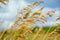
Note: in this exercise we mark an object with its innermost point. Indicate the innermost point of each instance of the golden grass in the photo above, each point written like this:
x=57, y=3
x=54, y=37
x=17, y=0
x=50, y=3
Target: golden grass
x=24, y=32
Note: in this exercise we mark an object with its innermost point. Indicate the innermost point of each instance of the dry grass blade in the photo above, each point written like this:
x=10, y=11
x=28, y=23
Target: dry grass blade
x=58, y=18
x=57, y=37
x=50, y=13
x=43, y=18
x=47, y=33
x=38, y=12
x=4, y=1
x=2, y=35
x=37, y=33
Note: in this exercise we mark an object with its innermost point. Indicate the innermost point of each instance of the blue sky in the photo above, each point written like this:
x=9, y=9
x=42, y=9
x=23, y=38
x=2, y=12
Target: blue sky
x=8, y=11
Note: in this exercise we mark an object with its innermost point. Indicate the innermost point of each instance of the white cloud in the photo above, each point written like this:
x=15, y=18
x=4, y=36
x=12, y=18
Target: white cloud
x=55, y=23
x=6, y=25
x=6, y=15
x=12, y=6
x=21, y=4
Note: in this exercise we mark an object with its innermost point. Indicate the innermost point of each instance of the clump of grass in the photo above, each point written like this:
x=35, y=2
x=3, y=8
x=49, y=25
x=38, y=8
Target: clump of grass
x=23, y=32
x=19, y=34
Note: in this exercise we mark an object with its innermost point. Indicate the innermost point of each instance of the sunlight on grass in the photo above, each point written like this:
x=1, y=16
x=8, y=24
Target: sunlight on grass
x=24, y=27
